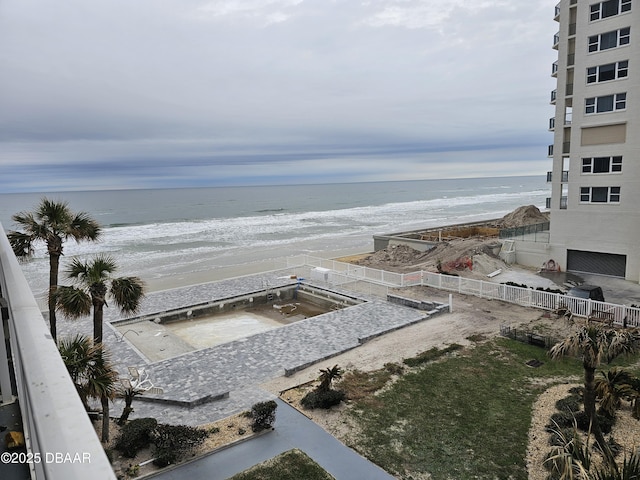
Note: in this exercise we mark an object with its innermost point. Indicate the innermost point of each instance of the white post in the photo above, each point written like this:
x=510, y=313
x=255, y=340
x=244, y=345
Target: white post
x=450, y=303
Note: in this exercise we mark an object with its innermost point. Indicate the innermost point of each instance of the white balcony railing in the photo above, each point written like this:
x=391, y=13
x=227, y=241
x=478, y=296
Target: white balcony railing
x=58, y=433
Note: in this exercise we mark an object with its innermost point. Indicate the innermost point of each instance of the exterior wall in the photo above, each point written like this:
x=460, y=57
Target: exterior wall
x=612, y=227
x=535, y=254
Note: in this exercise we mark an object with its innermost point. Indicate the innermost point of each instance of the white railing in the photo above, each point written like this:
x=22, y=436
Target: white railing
x=349, y=275
x=61, y=441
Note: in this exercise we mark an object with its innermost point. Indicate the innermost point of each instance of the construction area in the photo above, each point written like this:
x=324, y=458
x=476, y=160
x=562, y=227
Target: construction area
x=474, y=250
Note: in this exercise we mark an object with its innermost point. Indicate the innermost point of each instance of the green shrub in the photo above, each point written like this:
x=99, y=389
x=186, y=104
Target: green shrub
x=432, y=354
x=322, y=399
x=572, y=403
x=560, y=420
x=172, y=442
x=263, y=415
x=394, y=368
x=558, y=436
x=606, y=424
x=135, y=435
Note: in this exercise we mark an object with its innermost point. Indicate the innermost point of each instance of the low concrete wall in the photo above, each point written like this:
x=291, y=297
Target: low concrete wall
x=534, y=254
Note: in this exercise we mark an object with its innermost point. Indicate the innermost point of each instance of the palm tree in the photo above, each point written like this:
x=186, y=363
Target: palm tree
x=52, y=223
x=571, y=460
x=92, y=373
x=327, y=376
x=611, y=388
x=595, y=344
x=95, y=282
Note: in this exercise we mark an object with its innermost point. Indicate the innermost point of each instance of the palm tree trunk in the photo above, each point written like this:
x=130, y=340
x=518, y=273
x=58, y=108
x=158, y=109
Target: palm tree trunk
x=590, y=410
x=54, y=265
x=105, y=418
x=98, y=314
x=128, y=400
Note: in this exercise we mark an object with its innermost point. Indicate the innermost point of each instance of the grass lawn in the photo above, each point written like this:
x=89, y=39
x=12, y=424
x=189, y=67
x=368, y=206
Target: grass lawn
x=290, y=465
x=464, y=417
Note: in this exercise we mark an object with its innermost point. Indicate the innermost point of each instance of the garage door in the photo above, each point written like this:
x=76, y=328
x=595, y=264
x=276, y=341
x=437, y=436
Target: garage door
x=595, y=262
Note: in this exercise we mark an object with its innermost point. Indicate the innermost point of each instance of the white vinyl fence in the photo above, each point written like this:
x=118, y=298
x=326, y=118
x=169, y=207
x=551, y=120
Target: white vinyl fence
x=373, y=281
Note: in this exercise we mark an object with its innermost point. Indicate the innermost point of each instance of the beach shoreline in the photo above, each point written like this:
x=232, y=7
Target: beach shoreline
x=187, y=277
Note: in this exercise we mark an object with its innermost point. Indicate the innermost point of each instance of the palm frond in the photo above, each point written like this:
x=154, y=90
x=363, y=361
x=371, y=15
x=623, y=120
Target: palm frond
x=72, y=302
x=101, y=268
x=78, y=270
x=56, y=214
x=127, y=293
x=21, y=244
x=83, y=227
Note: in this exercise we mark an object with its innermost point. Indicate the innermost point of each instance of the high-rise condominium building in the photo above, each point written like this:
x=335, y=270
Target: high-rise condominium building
x=595, y=200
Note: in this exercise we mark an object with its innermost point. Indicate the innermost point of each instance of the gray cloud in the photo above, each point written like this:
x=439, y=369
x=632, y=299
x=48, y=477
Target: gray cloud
x=146, y=93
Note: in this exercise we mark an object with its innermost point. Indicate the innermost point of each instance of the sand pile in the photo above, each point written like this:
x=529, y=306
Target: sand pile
x=453, y=256
x=526, y=215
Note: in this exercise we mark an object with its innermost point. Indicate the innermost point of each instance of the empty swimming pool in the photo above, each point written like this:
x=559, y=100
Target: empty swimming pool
x=172, y=333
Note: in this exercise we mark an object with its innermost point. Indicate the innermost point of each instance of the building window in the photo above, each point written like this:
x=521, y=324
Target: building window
x=610, y=71
x=600, y=194
x=606, y=103
x=605, y=41
x=609, y=9
x=602, y=165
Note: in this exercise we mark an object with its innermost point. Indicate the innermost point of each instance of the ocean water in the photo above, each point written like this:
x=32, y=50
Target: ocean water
x=163, y=233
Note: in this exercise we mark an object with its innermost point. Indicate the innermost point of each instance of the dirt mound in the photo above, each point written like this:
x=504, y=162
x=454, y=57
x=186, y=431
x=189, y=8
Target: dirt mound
x=464, y=256
x=526, y=215
x=394, y=256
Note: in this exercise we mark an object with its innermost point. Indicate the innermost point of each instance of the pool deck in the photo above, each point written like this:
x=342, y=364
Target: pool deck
x=213, y=383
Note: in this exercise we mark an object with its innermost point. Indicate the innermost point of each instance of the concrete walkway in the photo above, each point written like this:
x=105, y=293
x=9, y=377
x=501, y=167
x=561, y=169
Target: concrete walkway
x=293, y=430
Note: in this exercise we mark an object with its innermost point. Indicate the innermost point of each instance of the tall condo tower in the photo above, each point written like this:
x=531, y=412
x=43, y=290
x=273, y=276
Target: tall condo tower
x=595, y=179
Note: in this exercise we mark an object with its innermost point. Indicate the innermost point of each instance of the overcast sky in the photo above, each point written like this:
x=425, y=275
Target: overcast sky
x=150, y=93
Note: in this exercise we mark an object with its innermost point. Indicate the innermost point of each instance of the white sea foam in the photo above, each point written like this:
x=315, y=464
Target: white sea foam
x=269, y=226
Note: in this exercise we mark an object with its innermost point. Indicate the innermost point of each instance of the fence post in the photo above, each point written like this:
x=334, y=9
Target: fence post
x=450, y=303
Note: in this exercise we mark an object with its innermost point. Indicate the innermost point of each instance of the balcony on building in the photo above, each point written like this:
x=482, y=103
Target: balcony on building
x=556, y=41
x=552, y=124
x=563, y=203
x=568, y=89
x=554, y=95
x=554, y=69
x=35, y=383
x=550, y=151
x=547, y=203
x=564, y=178
x=556, y=14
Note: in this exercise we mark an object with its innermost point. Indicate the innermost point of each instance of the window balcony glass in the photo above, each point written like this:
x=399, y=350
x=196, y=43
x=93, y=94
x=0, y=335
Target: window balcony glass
x=568, y=89
x=550, y=151
x=552, y=123
x=563, y=203
x=554, y=94
x=554, y=69
x=547, y=203
x=556, y=40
